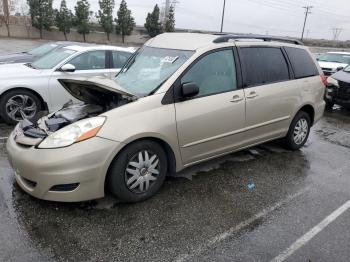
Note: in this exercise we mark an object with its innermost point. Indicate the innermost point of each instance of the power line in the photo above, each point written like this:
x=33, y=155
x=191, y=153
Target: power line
x=307, y=12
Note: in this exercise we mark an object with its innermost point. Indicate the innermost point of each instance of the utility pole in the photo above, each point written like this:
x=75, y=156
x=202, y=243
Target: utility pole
x=307, y=12
x=223, y=16
x=336, y=33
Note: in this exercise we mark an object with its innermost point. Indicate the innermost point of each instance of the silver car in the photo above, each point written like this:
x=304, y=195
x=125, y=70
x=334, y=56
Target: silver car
x=180, y=100
x=26, y=89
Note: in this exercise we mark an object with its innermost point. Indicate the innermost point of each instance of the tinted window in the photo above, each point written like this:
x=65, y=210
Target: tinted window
x=303, y=64
x=214, y=73
x=263, y=65
x=90, y=60
x=120, y=58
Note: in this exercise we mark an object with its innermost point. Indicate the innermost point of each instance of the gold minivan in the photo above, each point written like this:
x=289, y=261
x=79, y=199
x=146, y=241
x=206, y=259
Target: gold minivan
x=181, y=99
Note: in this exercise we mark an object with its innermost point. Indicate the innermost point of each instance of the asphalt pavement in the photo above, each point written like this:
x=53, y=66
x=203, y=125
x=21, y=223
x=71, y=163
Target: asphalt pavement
x=261, y=204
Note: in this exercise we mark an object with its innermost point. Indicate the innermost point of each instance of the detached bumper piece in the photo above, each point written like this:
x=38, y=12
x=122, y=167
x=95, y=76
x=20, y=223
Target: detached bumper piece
x=341, y=95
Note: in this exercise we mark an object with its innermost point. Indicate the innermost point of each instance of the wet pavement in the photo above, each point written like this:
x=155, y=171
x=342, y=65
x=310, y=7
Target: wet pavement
x=209, y=214
x=248, y=206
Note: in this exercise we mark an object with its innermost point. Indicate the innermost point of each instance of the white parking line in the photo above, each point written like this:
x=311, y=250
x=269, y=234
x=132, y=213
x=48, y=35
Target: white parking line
x=231, y=231
x=313, y=232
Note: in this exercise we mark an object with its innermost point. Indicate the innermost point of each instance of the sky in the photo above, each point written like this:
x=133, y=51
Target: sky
x=274, y=17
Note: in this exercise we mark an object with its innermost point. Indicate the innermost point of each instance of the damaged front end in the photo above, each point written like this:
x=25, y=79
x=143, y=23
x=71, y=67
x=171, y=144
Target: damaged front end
x=97, y=96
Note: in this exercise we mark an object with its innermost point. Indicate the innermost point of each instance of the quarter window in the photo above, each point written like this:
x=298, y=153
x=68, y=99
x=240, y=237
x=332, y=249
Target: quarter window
x=303, y=64
x=90, y=61
x=214, y=73
x=263, y=65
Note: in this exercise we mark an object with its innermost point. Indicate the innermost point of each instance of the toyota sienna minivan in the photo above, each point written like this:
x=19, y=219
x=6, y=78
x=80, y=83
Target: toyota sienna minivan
x=181, y=99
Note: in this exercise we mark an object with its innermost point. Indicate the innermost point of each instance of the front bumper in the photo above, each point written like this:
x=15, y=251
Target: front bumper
x=82, y=167
x=338, y=96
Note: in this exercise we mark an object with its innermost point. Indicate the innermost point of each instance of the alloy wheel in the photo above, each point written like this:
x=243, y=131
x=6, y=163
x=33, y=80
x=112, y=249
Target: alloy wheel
x=301, y=130
x=21, y=107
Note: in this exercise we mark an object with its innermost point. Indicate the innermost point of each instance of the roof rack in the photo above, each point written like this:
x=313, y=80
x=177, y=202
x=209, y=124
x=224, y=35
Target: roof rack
x=226, y=38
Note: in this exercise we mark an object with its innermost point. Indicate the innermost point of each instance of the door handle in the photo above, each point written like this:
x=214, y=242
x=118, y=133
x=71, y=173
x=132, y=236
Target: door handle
x=236, y=99
x=252, y=94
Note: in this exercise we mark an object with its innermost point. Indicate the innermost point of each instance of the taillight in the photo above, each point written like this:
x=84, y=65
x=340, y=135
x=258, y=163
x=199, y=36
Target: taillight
x=324, y=79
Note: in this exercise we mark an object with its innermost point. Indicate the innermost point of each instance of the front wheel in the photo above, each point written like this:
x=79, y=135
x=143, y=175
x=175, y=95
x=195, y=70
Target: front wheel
x=299, y=131
x=138, y=172
x=17, y=105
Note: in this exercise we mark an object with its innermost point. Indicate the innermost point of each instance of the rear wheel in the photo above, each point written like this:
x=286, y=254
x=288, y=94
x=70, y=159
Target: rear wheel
x=138, y=172
x=299, y=131
x=19, y=104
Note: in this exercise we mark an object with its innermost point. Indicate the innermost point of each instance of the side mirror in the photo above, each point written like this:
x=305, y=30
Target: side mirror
x=340, y=68
x=68, y=68
x=317, y=59
x=189, y=90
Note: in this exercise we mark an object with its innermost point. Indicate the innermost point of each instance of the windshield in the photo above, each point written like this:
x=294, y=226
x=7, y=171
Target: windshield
x=42, y=50
x=150, y=68
x=337, y=58
x=347, y=69
x=52, y=59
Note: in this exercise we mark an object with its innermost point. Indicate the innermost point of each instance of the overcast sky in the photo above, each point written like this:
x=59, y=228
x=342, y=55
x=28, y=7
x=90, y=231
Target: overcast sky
x=275, y=17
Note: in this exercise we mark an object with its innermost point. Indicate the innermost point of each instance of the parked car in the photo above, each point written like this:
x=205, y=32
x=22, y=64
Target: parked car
x=338, y=89
x=27, y=89
x=180, y=100
x=32, y=55
x=332, y=62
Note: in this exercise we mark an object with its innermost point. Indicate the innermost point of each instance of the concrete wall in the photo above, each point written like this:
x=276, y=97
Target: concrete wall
x=21, y=31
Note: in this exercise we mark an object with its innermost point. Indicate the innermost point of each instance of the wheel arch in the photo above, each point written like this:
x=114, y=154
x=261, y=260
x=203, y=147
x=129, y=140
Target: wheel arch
x=170, y=154
x=43, y=102
x=310, y=110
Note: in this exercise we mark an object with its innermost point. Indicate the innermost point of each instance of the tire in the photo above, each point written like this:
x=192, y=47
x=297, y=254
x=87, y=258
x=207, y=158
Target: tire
x=24, y=102
x=124, y=179
x=301, y=120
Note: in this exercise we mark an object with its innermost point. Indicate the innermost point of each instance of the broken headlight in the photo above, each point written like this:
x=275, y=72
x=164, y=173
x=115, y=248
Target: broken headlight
x=74, y=133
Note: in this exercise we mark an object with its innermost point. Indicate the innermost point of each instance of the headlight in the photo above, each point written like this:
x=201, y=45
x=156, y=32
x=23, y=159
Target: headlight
x=332, y=82
x=79, y=131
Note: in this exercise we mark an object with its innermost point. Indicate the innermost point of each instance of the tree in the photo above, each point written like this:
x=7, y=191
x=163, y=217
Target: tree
x=125, y=22
x=82, y=17
x=6, y=7
x=64, y=19
x=27, y=22
x=153, y=24
x=170, y=20
x=105, y=15
x=41, y=14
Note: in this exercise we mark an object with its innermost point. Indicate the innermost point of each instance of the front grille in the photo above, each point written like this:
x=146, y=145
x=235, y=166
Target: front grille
x=29, y=183
x=64, y=187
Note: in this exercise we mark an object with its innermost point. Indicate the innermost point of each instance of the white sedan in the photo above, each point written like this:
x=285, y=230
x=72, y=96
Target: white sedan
x=27, y=89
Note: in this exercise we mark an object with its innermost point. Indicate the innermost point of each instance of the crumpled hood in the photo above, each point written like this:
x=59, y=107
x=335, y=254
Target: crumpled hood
x=16, y=58
x=93, y=89
x=332, y=65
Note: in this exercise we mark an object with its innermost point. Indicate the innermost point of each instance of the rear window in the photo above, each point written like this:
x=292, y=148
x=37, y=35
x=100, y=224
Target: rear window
x=303, y=64
x=263, y=65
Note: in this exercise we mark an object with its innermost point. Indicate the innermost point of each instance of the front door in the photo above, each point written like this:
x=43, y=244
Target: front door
x=88, y=64
x=212, y=122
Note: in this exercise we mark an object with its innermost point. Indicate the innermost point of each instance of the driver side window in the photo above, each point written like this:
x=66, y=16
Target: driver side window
x=90, y=60
x=214, y=73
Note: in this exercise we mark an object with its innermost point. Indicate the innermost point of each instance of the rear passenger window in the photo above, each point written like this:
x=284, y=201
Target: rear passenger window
x=303, y=64
x=120, y=58
x=263, y=65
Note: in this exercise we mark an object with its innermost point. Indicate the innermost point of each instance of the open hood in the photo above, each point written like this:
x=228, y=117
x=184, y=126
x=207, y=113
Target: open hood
x=94, y=90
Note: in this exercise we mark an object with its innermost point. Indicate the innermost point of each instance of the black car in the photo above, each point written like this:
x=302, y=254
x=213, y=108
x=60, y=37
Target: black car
x=32, y=55
x=338, y=89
